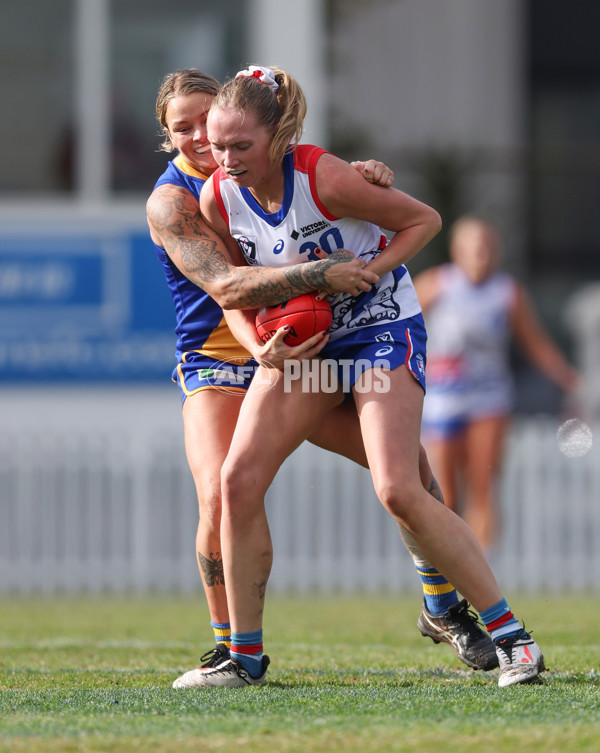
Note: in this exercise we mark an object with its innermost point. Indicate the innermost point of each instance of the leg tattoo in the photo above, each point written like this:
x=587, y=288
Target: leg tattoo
x=212, y=569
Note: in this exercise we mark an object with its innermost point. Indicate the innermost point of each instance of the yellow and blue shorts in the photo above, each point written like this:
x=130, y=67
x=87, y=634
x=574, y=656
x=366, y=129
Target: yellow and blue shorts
x=197, y=371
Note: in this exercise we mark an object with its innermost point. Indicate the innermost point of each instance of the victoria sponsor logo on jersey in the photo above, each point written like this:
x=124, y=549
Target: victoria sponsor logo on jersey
x=314, y=227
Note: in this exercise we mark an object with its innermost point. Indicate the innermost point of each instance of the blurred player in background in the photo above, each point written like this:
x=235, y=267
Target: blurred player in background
x=472, y=311
x=293, y=198
x=202, y=279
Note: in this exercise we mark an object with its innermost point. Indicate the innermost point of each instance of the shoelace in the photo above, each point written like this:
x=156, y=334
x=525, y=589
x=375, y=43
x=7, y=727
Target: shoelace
x=211, y=656
x=232, y=666
x=470, y=619
x=509, y=642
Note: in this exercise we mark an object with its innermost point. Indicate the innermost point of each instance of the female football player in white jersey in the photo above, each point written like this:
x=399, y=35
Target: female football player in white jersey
x=472, y=311
x=213, y=370
x=279, y=202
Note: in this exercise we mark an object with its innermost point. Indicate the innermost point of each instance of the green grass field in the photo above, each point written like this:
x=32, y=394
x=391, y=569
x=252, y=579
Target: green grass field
x=347, y=674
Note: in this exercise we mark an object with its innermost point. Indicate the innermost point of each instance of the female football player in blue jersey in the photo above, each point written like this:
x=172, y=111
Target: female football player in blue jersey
x=214, y=371
x=278, y=201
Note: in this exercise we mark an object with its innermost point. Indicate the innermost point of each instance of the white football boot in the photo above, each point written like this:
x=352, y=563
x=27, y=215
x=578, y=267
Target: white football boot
x=232, y=675
x=520, y=658
x=212, y=659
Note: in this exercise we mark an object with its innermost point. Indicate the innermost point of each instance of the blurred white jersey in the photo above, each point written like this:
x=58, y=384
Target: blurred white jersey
x=469, y=332
x=302, y=224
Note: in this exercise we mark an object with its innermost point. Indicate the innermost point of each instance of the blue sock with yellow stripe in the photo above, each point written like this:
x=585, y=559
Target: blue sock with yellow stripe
x=222, y=631
x=439, y=594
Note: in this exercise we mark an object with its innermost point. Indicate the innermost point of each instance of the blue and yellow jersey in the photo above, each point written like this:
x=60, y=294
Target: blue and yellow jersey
x=201, y=326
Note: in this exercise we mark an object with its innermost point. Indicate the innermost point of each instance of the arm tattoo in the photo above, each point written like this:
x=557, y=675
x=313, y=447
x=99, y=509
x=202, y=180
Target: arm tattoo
x=435, y=491
x=212, y=569
x=270, y=286
x=186, y=239
x=198, y=253
x=202, y=260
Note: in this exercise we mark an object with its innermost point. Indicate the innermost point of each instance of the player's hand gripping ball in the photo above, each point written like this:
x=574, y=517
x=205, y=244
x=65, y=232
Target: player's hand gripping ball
x=305, y=316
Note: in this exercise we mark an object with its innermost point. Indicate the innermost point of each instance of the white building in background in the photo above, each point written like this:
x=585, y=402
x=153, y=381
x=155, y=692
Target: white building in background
x=408, y=74
x=423, y=81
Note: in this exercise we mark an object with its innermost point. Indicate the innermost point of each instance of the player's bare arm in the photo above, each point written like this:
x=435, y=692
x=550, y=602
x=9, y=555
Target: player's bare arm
x=197, y=251
x=345, y=194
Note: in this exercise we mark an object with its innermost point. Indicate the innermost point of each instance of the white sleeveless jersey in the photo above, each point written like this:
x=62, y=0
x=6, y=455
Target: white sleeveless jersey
x=302, y=224
x=469, y=330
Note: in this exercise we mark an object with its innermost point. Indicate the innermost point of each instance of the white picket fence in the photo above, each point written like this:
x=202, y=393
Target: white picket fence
x=104, y=511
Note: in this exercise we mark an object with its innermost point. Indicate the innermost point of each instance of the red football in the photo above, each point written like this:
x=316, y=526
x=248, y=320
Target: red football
x=304, y=315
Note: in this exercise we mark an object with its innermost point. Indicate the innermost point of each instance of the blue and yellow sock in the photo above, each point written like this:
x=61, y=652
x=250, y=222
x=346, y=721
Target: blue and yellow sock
x=439, y=594
x=222, y=631
x=500, y=621
x=247, y=650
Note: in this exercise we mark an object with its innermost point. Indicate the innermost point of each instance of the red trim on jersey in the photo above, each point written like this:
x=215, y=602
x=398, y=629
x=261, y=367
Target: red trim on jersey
x=218, y=176
x=306, y=157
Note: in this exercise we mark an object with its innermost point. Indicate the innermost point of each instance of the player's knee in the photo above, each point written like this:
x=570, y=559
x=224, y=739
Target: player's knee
x=209, y=503
x=399, y=497
x=210, y=513
x=240, y=486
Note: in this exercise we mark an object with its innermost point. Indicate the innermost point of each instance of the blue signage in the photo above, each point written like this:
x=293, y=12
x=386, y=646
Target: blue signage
x=84, y=308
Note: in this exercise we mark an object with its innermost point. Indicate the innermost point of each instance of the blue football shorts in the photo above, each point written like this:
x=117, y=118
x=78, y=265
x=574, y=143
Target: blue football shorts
x=381, y=347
